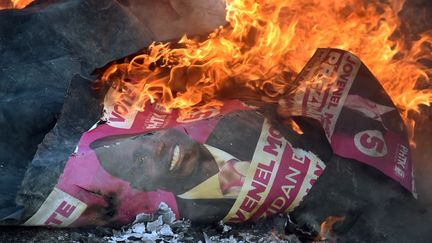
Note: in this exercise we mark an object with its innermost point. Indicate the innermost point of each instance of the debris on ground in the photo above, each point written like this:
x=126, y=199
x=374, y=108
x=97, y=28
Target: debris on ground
x=162, y=227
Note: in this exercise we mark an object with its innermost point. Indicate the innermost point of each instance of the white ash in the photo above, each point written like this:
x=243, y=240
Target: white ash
x=166, y=230
x=167, y=214
x=139, y=228
x=155, y=225
x=225, y=228
x=148, y=228
x=163, y=227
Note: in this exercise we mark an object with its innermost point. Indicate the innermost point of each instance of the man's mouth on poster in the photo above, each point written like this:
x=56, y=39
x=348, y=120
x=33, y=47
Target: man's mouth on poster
x=182, y=153
x=167, y=160
x=175, y=158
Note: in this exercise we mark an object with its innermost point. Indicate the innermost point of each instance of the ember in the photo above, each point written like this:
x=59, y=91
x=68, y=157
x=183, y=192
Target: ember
x=326, y=229
x=5, y=4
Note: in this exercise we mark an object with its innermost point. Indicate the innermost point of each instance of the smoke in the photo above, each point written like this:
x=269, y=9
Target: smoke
x=169, y=19
x=422, y=155
x=416, y=18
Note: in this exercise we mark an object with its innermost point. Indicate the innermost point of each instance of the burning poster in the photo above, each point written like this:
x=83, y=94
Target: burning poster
x=358, y=117
x=233, y=163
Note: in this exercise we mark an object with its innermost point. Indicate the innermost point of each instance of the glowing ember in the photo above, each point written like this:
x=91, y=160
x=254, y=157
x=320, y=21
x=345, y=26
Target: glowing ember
x=267, y=42
x=326, y=229
x=5, y=4
x=296, y=128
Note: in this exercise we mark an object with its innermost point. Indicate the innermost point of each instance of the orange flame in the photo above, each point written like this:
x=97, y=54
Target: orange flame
x=296, y=128
x=267, y=42
x=326, y=228
x=18, y=4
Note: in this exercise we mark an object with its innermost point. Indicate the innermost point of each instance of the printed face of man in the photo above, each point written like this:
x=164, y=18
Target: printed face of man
x=165, y=159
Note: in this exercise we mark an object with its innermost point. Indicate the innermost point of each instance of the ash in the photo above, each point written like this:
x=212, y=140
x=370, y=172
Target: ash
x=163, y=227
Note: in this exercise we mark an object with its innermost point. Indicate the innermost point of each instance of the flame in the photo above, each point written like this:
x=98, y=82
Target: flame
x=18, y=4
x=296, y=128
x=326, y=228
x=267, y=42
